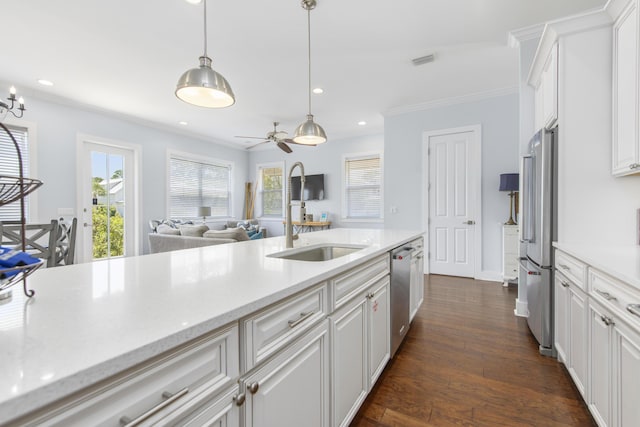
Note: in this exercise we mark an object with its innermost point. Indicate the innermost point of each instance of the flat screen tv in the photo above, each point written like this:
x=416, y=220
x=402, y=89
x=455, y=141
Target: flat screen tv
x=313, y=187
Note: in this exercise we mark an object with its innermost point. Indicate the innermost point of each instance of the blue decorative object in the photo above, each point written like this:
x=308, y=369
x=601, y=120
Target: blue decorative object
x=256, y=236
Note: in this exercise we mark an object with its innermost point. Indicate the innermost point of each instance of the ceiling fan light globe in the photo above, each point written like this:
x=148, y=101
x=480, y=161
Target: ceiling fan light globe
x=309, y=133
x=205, y=87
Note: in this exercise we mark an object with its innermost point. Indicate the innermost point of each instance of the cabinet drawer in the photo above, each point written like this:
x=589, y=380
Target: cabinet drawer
x=615, y=296
x=273, y=328
x=573, y=269
x=209, y=363
x=347, y=285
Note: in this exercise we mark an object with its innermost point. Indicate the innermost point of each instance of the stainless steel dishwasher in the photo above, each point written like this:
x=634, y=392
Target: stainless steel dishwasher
x=400, y=291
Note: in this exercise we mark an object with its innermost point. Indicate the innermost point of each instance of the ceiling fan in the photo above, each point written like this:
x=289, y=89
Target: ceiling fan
x=277, y=136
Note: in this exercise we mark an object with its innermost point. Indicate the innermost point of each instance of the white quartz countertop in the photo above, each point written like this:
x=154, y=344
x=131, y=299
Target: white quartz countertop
x=90, y=321
x=620, y=262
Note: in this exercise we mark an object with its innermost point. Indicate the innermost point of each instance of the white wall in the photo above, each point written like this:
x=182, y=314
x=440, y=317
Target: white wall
x=500, y=151
x=57, y=128
x=324, y=159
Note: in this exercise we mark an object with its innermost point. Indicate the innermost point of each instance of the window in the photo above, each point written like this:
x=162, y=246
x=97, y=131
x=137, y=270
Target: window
x=194, y=183
x=363, y=187
x=9, y=166
x=271, y=188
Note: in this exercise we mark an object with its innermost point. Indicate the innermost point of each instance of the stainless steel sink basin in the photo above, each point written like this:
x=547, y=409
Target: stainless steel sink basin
x=322, y=252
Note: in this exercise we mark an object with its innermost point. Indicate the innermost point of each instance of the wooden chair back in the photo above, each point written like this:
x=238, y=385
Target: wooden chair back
x=41, y=239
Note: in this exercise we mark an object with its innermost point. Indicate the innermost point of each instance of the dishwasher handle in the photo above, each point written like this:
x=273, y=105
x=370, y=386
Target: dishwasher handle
x=401, y=254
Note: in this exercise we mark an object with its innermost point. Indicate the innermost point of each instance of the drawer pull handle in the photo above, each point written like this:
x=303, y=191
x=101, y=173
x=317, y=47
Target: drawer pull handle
x=370, y=295
x=606, y=295
x=634, y=309
x=564, y=267
x=170, y=398
x=303, y=317
x=607, y=320
x=564, y=284
x=253, y=387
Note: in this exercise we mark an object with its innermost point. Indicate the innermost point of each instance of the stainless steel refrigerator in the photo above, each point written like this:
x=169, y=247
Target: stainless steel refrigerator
x=539, y=224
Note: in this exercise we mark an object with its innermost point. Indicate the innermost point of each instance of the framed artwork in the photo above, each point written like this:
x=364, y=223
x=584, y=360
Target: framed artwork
x=324, y=217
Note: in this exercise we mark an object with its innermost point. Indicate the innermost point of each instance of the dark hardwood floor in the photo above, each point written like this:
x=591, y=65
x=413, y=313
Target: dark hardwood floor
x=468, y=361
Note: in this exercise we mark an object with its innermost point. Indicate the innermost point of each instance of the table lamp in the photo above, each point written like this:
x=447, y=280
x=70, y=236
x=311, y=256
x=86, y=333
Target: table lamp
x=204, y=212
x=509, y=182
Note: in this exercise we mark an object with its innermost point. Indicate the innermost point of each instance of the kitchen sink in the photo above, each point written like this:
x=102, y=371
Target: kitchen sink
x=321, y=252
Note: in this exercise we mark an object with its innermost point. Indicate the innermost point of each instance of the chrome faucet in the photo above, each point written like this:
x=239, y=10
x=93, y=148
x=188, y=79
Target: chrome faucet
x=290, y=237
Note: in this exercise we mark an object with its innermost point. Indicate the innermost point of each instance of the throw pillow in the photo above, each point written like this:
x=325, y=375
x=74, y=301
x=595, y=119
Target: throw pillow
x=230, y=233
x=193, y=230
x=167, y=229
x=256, y=236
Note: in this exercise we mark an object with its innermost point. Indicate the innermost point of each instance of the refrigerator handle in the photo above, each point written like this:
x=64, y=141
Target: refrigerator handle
x=527, y=206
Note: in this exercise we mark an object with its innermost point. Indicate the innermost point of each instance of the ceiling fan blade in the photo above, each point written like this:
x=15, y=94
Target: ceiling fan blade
x=250, y=137
x=284, y=147
x=259, y=143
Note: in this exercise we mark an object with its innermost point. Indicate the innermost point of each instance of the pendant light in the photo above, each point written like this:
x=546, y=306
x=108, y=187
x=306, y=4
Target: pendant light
x=203, y=86
x=309, y=132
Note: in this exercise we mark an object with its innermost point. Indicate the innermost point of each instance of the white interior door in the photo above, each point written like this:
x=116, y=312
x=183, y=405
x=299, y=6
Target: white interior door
x=453, y=187
x=107, y=197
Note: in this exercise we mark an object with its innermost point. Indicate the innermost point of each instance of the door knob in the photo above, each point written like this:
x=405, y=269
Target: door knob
x=470, y=222
x=87, y=224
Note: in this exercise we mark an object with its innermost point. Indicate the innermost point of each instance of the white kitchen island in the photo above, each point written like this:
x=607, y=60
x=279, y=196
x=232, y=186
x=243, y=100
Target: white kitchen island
x=91, y=322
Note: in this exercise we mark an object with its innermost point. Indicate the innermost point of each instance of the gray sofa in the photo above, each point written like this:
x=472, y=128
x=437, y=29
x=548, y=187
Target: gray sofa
x=167, y=242
x=170, y=236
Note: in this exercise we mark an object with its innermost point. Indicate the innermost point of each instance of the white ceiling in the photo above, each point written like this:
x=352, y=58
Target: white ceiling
x=123, y=56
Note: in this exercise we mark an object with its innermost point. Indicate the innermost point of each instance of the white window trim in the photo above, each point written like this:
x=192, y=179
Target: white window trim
x=258, y=206
x=358, y=156
x=32, y=132
x=200, y=159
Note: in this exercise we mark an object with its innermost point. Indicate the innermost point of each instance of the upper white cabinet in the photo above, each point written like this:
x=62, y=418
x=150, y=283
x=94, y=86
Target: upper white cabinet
x=625, y=143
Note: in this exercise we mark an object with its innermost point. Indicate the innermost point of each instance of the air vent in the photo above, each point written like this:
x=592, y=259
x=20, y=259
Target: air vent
x=424, y=59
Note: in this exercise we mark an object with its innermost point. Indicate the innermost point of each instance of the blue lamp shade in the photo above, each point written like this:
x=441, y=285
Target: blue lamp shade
x=509, y=181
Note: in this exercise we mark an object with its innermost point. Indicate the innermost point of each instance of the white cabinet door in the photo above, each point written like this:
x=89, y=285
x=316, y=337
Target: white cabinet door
x=599, y=401
x=627, y=375
x=292, y=389
x=349, y=357
x=379, y=329
x=561, y=316
x=578, y=317
x=626, y=145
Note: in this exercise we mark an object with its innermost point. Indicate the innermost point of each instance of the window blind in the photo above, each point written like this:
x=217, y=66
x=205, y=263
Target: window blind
x=363, y=187
x=193, y=184
x=272, y=191
x=9, y=166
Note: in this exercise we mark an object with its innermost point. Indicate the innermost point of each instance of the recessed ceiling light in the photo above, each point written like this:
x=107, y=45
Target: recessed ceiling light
x=194, y=1
x=362, y=123
x=44, y=82
x=318, y=90
x=183, y=123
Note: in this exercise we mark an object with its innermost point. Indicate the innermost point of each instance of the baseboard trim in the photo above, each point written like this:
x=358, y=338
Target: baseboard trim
x=522, y=308
x=490, y=276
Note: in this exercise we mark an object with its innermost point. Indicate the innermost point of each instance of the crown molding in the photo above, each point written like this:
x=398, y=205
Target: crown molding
x=463, y=99
x=532, y=32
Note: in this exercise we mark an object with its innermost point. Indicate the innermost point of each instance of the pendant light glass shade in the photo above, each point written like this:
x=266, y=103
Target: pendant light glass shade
x=203, y=86
x=309, y=132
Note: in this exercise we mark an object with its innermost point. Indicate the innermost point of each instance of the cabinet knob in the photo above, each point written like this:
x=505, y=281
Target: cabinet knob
x=564, y=284
x=239, y=399
x=253, y=387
